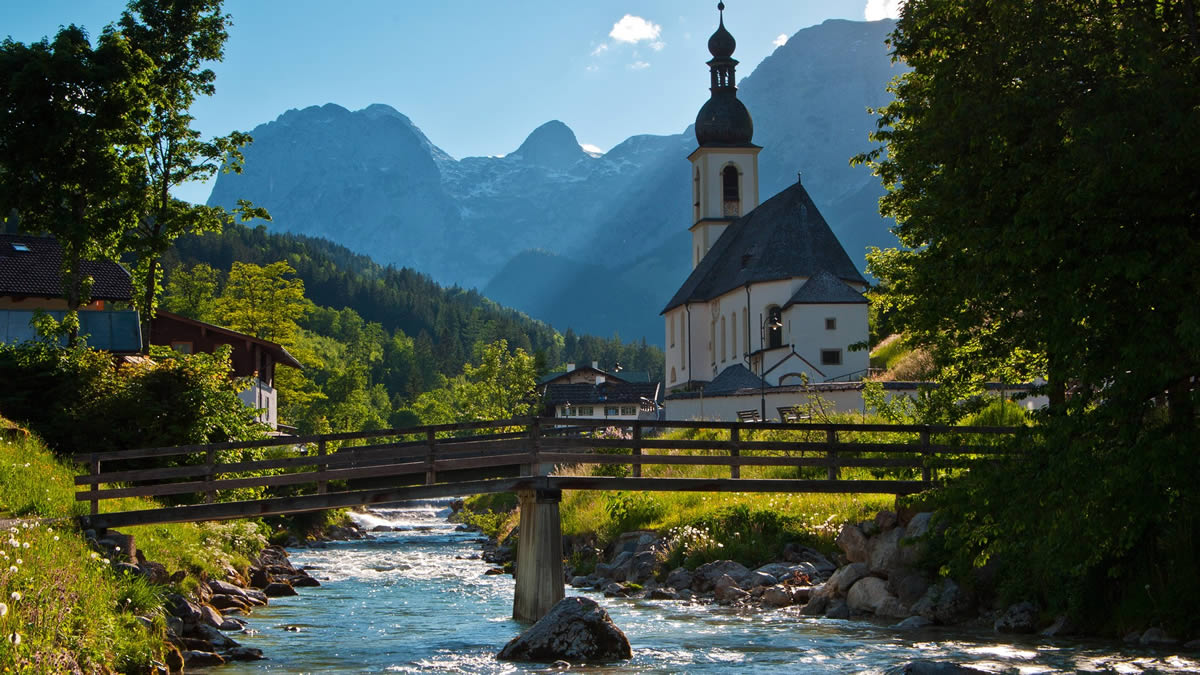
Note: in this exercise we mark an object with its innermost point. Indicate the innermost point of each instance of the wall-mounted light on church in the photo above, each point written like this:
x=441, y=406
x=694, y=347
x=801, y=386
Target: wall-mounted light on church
x=773, y=325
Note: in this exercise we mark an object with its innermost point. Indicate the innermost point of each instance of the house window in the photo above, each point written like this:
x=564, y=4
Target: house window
x=612, y=410
x=20, y=247
x=628, y=410
x=831, y=357
x=729, y=191
x=585, y=410
x=831, y=323
x=774, y=328
x=182, y=347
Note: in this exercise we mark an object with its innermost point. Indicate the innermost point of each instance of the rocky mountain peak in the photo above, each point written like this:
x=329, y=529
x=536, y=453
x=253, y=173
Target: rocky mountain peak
x=552, y=145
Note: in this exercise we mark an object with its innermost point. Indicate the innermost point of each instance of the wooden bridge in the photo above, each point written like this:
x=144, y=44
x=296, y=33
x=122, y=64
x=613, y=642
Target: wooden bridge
x=537, y=458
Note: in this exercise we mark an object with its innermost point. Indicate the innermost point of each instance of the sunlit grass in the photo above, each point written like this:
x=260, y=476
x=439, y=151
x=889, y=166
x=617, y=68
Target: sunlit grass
x=72, y=611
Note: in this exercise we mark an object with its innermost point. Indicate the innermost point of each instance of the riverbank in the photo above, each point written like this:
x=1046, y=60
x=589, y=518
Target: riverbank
x=415, y=597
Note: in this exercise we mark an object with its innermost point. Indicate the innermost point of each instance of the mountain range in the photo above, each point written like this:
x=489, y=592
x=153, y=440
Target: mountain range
x=593, y=242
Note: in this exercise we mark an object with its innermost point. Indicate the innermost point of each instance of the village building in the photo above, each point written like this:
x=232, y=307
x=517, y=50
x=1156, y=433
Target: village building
x=31, y=281
x=773, y=301
x=592, y=393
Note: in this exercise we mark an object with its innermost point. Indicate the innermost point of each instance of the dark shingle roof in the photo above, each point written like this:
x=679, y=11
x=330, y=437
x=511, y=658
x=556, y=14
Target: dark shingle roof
x=37, y=272
x=732, y=379
x=784, y=237
x=605, y=392
x=823, y=288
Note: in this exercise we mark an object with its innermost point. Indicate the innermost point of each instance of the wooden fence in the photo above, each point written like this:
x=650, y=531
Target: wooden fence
x=462, y=459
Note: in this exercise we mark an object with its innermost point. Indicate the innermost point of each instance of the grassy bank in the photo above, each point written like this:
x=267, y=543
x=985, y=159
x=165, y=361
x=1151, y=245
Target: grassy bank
x=65, y=607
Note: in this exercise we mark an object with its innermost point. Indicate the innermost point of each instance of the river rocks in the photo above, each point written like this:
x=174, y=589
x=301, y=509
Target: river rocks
x=210, y=616
x=279, y=589
x=576, y=629
x=945, y=602
x=913, y=623
x=1157, y=637
x=727, y=592
x=883, y=551
x=1018, y=618
x=777, y=596
x=868, y=595
x=932, y=668
x=795, y=553
x=705, y=577
x=679, y=577
x=853, y=543
x=200, y=659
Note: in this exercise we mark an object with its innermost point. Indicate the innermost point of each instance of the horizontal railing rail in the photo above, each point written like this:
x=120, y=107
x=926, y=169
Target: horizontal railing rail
x=365, y=465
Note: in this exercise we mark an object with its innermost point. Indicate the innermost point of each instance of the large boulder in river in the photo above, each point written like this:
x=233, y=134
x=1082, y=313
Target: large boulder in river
x=932, y=668
x=576, y=629
x=705, y=577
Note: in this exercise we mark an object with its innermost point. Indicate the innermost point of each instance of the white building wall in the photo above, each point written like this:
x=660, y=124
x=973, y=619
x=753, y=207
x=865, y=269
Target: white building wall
x=805, y=328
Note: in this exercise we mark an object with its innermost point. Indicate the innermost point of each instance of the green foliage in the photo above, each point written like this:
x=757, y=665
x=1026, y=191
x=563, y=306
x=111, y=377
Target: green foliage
x=1039, y=167
x=71, y=163
x=263, y=301
x=499, y=385
x=443, y=324
x=628, y=511
x=193, y=292
x=77, y=400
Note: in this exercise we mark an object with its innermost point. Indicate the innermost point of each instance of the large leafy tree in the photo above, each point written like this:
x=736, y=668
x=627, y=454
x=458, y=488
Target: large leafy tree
x=180, y=37
x=70, y=145
x=1040, y=164
x=1040, y=167
x=263, y=301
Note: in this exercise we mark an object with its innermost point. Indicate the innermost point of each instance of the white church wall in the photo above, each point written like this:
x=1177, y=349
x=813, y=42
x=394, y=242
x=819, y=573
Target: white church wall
x=805, y=325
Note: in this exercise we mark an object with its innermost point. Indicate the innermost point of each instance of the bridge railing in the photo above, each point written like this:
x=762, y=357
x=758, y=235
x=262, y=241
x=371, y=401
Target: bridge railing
x=495, y=456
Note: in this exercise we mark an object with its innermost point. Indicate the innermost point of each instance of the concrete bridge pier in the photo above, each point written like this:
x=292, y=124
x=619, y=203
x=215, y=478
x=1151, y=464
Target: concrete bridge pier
x=539, y=555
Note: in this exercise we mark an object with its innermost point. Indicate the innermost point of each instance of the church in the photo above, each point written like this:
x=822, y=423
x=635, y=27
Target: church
x=773, y=302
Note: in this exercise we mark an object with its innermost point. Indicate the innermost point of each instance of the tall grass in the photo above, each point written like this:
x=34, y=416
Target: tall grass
x=71, y=611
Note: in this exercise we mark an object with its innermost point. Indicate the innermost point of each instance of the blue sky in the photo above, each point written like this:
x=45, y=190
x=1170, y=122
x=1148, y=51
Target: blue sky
x=475, y=76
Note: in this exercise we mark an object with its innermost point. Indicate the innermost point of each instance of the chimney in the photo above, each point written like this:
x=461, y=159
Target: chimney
x=595, y=365
x=570, y=367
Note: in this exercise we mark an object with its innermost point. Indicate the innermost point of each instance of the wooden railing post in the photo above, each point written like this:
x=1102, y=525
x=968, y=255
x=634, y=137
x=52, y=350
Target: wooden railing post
x=926, y=472
x=430, y=452
x=735, y=470
x=831, y=452
x=322, y=466
x=637, y=448
x=210, y=460
x=535, y=447
x=95, y=466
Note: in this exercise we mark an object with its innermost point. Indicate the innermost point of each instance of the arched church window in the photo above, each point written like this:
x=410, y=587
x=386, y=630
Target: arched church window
x=672, y=373
x=723, y=352
x=730, y=191
x=774, y=328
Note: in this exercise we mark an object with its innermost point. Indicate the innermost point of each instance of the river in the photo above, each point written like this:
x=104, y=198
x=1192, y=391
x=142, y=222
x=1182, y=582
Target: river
x=416, y=600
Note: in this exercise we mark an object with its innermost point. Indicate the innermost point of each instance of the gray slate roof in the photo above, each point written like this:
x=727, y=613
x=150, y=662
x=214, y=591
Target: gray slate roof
x=823, y=288
x=605, y=392
x=37, y=272
x=732, y=379
x=784, y=237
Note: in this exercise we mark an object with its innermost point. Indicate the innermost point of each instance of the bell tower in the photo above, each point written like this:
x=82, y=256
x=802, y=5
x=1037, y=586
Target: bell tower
x=725, y=165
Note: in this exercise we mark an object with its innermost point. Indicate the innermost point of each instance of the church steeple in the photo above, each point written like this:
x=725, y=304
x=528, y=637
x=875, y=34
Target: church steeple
x=723, y=120
x=725, y=166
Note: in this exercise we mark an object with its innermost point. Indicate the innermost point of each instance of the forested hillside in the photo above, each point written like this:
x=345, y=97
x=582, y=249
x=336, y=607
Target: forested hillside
x=445, y=323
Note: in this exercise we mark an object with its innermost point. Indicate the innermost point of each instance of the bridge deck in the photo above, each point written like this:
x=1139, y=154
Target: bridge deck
x=509, y=455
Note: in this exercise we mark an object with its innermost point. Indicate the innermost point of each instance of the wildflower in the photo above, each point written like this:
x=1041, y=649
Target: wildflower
x=20, y=562
x=15, y=638
x=13, y=569
x=56, y=537
x=95, y=555
x=3, y=610
x=25, y=545
x=106, y=561
x=14, y=543
x=16, y=596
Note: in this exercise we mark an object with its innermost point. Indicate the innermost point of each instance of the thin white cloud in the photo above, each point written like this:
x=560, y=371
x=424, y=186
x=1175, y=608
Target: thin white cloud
x=639, y=65
x=658, y=45
x=600, y=49
x=781, y=40
x=882, y=9
x=635, y=29
x=591, y=149
x=592, y=68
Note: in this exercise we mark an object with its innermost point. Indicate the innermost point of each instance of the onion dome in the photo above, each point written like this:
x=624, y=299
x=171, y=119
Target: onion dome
x=721, y=44
x=724, y=120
